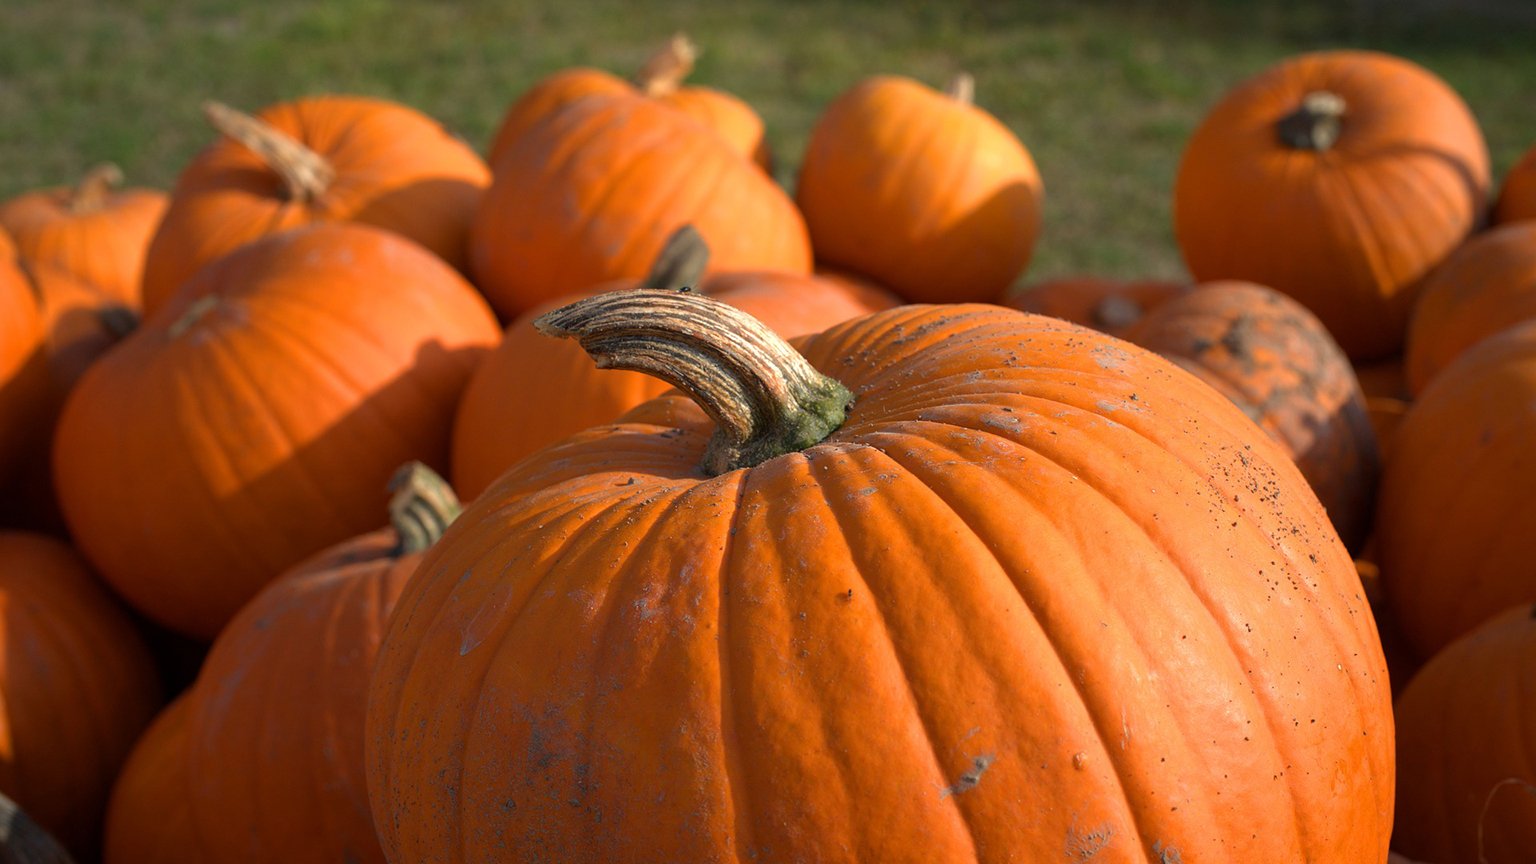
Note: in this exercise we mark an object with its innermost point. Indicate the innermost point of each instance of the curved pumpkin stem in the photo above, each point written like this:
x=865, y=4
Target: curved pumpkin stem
x=665, y=70
x=421, y=508
x=962, y=88
x=1316, y=124
x=305, y=173
x=765, y=399
x=91, y=193
x=23, y=841
x=681, y=262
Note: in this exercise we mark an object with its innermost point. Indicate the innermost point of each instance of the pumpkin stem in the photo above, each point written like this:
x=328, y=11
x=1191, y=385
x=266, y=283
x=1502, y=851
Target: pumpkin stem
x=91, y=193
x=765, y=399
x=195, y=312
x=1316, y=124
x=665, y=70
x=421, y=507
x=962, y=88
x=680, y=263
x=118, y=320
x=24, y=841
x=305, y=173
x=1116, y=312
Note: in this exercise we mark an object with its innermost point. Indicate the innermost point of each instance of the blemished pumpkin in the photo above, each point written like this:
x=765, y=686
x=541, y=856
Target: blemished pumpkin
x=76, y=688
x=274, y=756
x=1108, y=305
x=532, y=391
x=920, y=190
x=251, y=423
x=1276, y=362
x=1485, y=286
x=1040, y=590
x=1453, y=519
x=92, y=230
x=316, y=159
x=660, y=78
x=1466, y=783
x=591, y=193
x=1340, y=178
x=149, y=818
x=1517, y=194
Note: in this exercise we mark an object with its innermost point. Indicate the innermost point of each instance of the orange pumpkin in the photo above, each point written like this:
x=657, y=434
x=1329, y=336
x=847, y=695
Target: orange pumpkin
x=149, y=819
x=1483, y=287
x=1036, y=590
x=1453, y=521
x=1112, y=306
x=318, y=159
x=1340, y=178
x=251, y=423
x=1466, y=783
x=1517, y=194
x=23, y=367
x=78, y=686
x=1274, y=359
x=591, y=193
x=661, y=78
x=922, y=191
x=98, y=234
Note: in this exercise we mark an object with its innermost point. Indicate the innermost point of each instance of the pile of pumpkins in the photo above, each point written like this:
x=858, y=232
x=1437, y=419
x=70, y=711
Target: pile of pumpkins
x=790, y=530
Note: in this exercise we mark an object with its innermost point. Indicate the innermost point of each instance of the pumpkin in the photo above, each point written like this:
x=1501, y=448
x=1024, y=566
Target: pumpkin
x=274, y=755
x=661, y=78
x=318, y=159
x=591, y=193
x=533, y=391
x=1340, y=178
x=251, y=423
x=23, y=370
x=1466, y=783
x=1035, y=590
x=1107, y=305
x=1275, y=360
x=1454, y=509
x=920, y=190
x=149, y=819
x=98, y=234
x=1483, y=287
x=1517, y=194
x=78, y=687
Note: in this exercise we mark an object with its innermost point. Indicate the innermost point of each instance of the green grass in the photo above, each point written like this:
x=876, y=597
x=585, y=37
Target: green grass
x=1104, y=94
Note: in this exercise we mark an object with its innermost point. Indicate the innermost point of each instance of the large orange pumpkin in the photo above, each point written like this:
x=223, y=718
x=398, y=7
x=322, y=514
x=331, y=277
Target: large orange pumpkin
x=922, y=191
x=1338, y=177
x=1466, y=783
x=591, y=193
x=533, y=391
x=1108, y=305
x=92, y=231
x=149, y=819
x=1454, y=513
x=318, y=159
x=1039, y=592
x=1485, y=286
x=76, y=688
x=23, y=366
x=251, y=423
x=1517, y=194
x=1274, y=359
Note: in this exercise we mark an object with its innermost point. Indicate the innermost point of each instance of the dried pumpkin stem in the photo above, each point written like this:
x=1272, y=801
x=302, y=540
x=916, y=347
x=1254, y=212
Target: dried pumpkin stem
x=421, y=507
x=765, y=399
x=305, y=173
x=1116, y=312
x=91, y=193
x=962, y=88
x=665, y=70
x=680, y=263
x=1316, y=124
x=118, y=320
x=24, y=841
x=198, y=309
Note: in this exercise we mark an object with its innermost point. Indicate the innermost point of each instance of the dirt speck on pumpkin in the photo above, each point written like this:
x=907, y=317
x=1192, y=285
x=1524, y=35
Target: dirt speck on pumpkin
x=1085, y=847
x=970, y=779
x=1166, y=854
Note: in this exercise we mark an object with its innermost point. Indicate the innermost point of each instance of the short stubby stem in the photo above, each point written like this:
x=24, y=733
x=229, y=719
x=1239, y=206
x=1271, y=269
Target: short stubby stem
x=1316, y=124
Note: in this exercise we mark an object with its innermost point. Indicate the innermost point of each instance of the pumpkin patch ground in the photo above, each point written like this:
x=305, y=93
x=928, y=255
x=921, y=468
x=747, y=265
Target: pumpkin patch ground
x=767, y=432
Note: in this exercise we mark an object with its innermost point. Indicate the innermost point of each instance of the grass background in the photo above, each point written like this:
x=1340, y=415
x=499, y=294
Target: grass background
x=1104, y=93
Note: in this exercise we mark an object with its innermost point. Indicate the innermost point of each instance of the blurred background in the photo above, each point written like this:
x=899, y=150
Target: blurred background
x=1104, y=93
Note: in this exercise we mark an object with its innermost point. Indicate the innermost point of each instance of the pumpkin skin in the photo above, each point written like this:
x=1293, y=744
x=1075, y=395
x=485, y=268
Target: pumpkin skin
x=149, y=820
x=23, y=367
x=1111, y=306
x=78, y=688
x=92, y=231
x=395, y=168
x=269, y=404
x=1517, y=194
x=590, y=195
x=1466, y=775
x=1274, y=360
x=1349, y=230
x=1483, y=287
x=921, y=191
x=964, y=627
x=532, y=391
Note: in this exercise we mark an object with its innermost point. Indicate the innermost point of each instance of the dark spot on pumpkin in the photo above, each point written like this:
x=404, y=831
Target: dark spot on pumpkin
x=972, y=778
